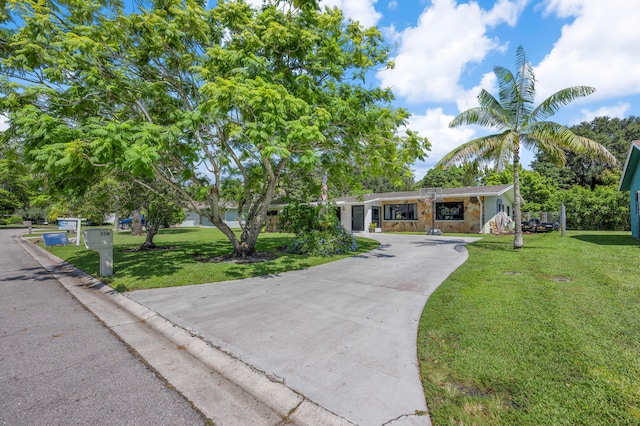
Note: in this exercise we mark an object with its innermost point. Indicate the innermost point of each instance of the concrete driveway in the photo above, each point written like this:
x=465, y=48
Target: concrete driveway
x=342, y=334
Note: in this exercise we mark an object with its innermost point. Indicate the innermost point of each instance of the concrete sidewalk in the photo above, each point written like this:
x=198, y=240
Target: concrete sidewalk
x=342, y=334
x=333, y=344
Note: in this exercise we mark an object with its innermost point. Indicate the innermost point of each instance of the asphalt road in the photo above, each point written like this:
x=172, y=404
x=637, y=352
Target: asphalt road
x=60, y=366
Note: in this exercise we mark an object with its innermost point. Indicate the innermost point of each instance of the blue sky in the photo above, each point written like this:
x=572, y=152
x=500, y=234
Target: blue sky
x=445, y=50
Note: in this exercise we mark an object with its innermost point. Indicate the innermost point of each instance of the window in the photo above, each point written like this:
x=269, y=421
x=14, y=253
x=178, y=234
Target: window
x=450, y=211
x=401, y=212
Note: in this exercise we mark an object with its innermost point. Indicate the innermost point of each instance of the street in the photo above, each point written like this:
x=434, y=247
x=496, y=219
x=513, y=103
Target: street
x=60, y=366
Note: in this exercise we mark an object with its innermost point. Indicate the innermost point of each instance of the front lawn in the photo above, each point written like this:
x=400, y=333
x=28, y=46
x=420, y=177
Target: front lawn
x=546, y=335
x=180, y=266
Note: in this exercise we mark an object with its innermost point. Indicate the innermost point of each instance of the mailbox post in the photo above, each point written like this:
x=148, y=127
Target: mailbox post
x=101, y=240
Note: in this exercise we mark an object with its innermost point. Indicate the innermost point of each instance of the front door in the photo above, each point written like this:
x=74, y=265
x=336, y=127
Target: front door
x=357, y=218
x=375, y=216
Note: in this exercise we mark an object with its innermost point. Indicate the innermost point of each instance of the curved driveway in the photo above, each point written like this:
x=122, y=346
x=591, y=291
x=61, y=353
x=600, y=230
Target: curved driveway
x=343, y=334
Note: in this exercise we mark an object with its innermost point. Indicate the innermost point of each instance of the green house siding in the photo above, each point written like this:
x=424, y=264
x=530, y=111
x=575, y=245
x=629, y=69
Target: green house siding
x=630, y=181
x=635, y=215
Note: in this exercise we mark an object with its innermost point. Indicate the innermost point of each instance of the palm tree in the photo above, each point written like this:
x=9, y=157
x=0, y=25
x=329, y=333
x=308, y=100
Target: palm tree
x=520, y=124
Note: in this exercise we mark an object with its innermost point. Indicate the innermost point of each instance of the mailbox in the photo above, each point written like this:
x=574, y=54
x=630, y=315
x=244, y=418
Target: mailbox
x=98, y=238
x=101, y=240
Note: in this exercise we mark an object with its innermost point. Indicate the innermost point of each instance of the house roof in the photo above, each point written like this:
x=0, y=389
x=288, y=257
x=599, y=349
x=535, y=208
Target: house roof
x=630, y=166
x=467, y=191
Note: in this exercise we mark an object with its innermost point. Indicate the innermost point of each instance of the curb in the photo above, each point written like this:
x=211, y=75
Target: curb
x=242, y=394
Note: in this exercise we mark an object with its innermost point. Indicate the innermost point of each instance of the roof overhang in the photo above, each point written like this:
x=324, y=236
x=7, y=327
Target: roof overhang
x=630, y=166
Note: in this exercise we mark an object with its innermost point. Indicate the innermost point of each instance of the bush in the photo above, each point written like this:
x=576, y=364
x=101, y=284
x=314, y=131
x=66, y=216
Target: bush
x=317, y=234
x=299, y=218
x=324, y=242
x=13, y=220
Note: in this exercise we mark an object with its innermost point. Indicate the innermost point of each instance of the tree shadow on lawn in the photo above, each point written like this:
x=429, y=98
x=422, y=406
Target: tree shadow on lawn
x=176, y=230
x=502, y=244
x=149, y=264
x=145, y=265
x=608, y=240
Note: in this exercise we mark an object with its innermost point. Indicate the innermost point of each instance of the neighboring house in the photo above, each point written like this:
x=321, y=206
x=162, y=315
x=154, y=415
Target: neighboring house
x=467, y=210
x=230, y=217
x=630, y=181
x=230, y=209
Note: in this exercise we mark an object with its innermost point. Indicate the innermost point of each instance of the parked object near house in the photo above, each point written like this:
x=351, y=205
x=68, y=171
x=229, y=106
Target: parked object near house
x=465, y=210
x=126, y=223
x=630, y=181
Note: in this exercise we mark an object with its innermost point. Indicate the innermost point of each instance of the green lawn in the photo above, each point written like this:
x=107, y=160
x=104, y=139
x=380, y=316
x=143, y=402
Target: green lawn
x=179, y=265
x=547, y=335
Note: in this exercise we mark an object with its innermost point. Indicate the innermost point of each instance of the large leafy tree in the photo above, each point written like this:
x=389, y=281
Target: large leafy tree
x=453, y=176
x=536, y=189
x=195, y=96
x=519, y=123
x=14, y=179
x=613, y=133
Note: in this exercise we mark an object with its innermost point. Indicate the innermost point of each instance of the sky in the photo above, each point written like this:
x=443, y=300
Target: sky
x=445, y=51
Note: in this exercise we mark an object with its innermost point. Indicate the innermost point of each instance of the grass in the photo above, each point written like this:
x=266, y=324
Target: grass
x=546, y=335
x=179, y=266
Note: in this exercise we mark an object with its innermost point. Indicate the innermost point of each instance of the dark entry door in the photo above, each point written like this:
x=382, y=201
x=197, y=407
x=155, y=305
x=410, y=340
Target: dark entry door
x=357, y=218
x=375, y=216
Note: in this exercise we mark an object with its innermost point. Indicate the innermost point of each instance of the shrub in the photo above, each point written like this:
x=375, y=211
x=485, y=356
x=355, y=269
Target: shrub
x=13, y=220
x=299, y=218
x=324, y=242
x=317, y=233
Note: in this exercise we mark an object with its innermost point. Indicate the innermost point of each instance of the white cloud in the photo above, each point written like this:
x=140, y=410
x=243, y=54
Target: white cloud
x=393, y=5
x=617, y=111
x=564, y=8
x=358, y=10
x=599, y=48
x=446, y=40
x=434, y=125
x=4, y=123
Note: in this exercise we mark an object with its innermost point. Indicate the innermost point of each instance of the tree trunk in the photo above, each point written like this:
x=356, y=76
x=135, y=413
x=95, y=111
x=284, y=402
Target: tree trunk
x=148, y=242
x=518, y=242
x=116, y=221
x=153, y=221
x=246, y=246
x=136, y=223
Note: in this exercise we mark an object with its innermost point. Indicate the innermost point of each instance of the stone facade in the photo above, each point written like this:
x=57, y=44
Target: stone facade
x=470, y=224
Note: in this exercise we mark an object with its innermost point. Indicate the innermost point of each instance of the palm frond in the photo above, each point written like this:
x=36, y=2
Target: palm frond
x=526, y=87
x=478, y=116
x=507, y=87
x=537, y=142
x=552, y=137
x=553, y=103
x=525, y=77
x=482, y=148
